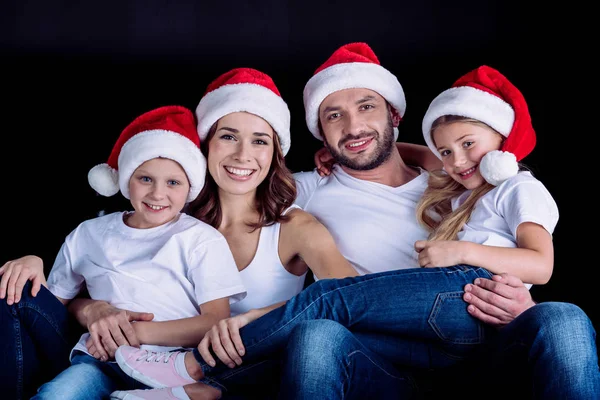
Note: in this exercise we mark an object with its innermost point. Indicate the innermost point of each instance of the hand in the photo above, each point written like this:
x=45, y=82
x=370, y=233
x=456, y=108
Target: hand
x=15, y=275
x=497, y=301
x=110, y=327
x=439, y=253
x=324, y=161
x=224, y=338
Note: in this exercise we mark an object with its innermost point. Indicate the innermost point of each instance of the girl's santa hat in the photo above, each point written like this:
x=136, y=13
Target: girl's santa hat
x=167, y=132
x=248, y=90
x=486, y=95
x=352, y=66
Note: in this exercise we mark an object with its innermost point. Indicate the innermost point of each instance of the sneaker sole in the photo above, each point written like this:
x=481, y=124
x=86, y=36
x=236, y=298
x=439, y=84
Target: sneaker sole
x=135, y=374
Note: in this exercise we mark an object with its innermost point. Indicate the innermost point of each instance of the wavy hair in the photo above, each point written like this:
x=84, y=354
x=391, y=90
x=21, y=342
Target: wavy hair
x=434, y=210
x=273, y=196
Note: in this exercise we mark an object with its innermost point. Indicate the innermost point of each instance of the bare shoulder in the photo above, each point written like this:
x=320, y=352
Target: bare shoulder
x=299, y=217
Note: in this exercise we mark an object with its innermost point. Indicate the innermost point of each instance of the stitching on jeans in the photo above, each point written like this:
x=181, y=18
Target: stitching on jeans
x=445, y=271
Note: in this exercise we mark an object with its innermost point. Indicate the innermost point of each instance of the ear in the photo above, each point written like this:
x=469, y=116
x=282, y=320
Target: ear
x=396, y=118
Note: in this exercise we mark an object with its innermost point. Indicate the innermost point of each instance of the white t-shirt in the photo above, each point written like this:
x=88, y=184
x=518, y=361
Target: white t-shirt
x=168, y=270
x=498, y=214
x=374, y=225
x=265, y=278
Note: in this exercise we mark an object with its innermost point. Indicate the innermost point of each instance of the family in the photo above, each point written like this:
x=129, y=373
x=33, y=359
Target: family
x=422, y=256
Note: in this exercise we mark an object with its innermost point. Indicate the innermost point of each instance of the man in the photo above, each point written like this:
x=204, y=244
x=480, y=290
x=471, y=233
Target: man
x=368, y=204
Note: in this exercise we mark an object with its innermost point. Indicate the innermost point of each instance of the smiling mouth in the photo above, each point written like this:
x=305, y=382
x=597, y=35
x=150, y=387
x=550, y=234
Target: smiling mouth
x=154, y=207
x=241, y=172
x=468, y=172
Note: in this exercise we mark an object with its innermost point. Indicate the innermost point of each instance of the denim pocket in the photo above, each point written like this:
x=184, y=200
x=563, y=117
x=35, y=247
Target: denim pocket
x=451, y=321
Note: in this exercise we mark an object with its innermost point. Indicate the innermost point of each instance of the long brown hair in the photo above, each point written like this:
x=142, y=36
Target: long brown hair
x=434, y=210
x=273, y=196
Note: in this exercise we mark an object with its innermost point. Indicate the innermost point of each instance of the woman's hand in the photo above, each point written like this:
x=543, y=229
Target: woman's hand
x=15, y=275
x=225, y=340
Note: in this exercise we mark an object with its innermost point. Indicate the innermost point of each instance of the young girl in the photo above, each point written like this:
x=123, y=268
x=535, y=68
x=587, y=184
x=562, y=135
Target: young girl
x=492, y=214
x=424, y=304
x=151, y=258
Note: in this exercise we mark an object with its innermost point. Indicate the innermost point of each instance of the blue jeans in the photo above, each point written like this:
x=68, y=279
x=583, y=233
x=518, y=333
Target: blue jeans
x=548, y=352
x=36, y=337
x=87, y=379
x=423, y=305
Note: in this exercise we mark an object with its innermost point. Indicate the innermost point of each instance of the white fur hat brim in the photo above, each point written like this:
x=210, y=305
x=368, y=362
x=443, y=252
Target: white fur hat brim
x=466, y=101
x=145, y=146
x=247, y=97
x=356, y=75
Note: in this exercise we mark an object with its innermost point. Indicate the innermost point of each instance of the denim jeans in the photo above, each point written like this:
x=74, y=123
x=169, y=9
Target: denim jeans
x=87, y=379
x=36, y=337
x=423, y=305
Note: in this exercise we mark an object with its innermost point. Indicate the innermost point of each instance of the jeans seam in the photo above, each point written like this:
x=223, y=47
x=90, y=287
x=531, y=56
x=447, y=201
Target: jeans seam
x=19, y=352
x=445, y=270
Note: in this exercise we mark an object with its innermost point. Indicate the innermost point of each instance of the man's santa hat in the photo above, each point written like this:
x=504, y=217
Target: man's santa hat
x=486, y=95
x=352, y=66
x=167, y=132
x=248, y=90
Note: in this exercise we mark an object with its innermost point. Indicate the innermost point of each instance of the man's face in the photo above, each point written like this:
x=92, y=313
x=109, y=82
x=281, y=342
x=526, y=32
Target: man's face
x=357, y=128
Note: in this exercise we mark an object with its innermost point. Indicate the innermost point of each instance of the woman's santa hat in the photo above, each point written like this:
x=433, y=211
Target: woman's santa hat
x=248, y=90
x=167, y=132
x=486, y=95
x=352, y=66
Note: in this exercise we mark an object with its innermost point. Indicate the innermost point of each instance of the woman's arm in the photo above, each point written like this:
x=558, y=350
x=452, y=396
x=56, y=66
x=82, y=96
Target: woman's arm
x=185, y=332
x=304, y=236
x=532, y=261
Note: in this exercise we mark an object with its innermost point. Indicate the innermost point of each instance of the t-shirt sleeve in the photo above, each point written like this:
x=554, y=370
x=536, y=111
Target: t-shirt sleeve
x=214, y=273
x=63, y=281
x=306, y=183
x=528, y=201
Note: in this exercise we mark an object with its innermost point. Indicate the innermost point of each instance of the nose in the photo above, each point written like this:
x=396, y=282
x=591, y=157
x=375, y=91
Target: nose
x=242, y=152
x=353, y=124
x=459, y=159
x=158, y=191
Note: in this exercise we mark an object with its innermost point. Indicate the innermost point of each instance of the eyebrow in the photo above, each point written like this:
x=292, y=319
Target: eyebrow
x=233, y=130
x=457, y=140
x=358, y=102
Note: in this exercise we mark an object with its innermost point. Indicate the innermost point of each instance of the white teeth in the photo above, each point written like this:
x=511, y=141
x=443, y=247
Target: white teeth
x=238, y=171
x=155, y=207
x=467, y=172
x=357, y=144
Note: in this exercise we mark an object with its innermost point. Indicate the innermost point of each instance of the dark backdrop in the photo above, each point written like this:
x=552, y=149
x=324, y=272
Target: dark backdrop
x=76, y=73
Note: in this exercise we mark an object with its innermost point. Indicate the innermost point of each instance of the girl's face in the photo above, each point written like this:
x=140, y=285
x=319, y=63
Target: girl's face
x=462, y=145
x=158, y=190
x=240, y=152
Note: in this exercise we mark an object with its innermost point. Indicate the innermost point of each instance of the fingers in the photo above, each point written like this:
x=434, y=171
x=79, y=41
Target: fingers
x=7, y=271
x=490, y=307
x=485, y=318
x=204, y=350
x=234, y=333
x=510, y=280
x=225, y=328
x=99, y=349
x=19, y=284
x=501, y=289
x=36, y=285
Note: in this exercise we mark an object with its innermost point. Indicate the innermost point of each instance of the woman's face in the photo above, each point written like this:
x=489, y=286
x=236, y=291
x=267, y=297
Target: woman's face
x=240, y=152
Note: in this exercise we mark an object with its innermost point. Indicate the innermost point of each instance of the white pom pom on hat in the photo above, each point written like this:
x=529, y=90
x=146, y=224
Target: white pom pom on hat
x=168, y=132
x=248, y=90
x=488, y=96
x=352, y=66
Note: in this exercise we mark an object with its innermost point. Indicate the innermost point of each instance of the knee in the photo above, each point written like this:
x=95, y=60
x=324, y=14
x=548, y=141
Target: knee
x=318, y=340
x=563, y=326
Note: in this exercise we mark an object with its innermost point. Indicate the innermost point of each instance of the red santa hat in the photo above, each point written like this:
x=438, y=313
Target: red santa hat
x=352, y=66
x=249, y=90
x=486, y=95
x=168, y=132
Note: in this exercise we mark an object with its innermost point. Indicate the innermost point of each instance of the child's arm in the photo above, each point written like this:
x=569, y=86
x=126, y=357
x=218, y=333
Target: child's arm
x=185, y=332
x=532, y=261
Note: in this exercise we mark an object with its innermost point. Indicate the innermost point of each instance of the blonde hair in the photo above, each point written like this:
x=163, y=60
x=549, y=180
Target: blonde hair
x=434, y=210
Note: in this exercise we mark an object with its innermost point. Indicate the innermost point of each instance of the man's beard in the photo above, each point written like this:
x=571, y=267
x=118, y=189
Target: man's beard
x=383, y=150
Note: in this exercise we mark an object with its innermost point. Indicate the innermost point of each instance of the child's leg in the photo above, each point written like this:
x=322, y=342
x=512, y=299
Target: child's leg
x=36, y=337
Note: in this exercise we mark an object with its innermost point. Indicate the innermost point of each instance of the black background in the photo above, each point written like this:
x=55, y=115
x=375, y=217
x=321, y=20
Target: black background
x=76, y=73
